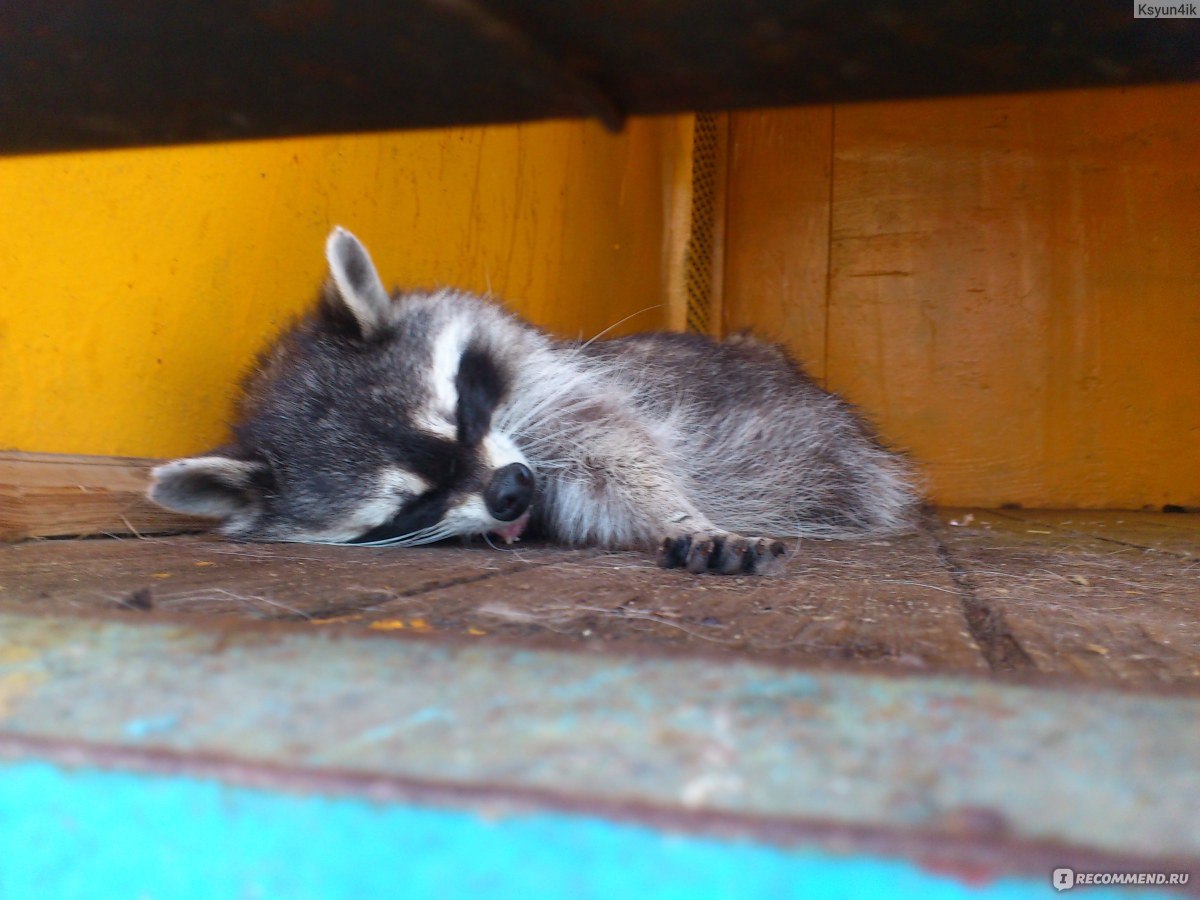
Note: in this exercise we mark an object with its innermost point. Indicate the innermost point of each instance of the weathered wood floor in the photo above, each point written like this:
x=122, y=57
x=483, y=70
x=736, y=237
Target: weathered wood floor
x=1112, y=596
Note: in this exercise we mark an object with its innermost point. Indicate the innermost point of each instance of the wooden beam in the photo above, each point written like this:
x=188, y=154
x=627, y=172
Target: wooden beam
x=55, y=495
x=81, y=77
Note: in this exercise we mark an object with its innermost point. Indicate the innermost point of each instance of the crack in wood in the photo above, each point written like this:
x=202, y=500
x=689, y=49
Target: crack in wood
x=986, y=623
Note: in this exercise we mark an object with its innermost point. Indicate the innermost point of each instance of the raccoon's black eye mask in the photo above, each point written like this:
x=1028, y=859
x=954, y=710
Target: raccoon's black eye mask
x=421, y=512
x=481, y=386
x=441, y=462
x=448, y=465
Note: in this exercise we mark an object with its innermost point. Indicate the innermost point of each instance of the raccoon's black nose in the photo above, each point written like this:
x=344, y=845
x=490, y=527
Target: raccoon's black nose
x=510, y=492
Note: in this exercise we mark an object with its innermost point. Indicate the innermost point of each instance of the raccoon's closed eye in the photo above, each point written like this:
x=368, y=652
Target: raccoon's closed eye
x=416, y=453
x=419, y=512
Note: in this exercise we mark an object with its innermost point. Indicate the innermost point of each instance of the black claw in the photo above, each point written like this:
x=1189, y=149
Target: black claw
x=674, y=551
x=766, y=556
x=721, y=554
x=716, y=559
x=734, y=557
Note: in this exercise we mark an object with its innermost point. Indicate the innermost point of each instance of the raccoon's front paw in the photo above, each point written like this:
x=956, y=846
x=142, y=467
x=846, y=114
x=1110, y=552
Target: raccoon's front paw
x=722, y=554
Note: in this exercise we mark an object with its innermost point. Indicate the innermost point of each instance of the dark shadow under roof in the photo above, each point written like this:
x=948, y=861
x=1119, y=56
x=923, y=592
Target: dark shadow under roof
x=85, y=73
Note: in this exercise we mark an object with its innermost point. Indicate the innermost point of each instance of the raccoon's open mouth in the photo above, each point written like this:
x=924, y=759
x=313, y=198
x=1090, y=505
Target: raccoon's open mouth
x=509, y=497
x=513, y=530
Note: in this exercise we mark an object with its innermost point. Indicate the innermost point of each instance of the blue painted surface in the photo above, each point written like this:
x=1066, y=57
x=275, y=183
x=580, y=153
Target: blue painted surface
x=1108, y=770
x=87, y=833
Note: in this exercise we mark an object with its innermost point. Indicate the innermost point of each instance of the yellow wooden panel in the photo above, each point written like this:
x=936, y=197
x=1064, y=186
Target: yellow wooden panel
x=777, y=228
x=1013, y=282
x=1014, y=291
x=137, y=284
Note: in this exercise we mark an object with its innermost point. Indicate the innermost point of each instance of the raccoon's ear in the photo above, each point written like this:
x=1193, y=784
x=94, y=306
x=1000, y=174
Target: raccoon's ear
x=207, y=485
x=354, y=297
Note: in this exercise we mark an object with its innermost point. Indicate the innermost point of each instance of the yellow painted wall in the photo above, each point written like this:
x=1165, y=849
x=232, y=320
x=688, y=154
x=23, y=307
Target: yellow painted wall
x=1009, y=286
x=136, y=285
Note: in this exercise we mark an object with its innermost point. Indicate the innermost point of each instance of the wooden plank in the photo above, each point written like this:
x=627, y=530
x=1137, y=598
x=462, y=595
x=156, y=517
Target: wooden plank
x=1077, y=605
x=559, y=220
x=46, y=494
x=880, y=602
x=324, y=836
x=202, y=575
x=1177, y=533
x=1026, y=596
x=777, y=230
x=985, y=253
x=884, y=602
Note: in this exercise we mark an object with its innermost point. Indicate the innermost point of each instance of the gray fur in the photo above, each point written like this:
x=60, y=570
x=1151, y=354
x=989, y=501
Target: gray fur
x=375, y=414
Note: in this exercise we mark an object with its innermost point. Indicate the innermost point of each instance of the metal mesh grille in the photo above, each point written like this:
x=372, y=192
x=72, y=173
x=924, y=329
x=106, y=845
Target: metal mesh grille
x=698, y=259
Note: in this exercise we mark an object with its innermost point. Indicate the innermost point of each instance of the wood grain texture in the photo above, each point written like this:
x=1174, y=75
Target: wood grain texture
x=777, y=228
x=881, y=603
x=1174, y=535
x=1013, y=292
x=1012, y=283
x=48, y=495
x=888, y=602
x=1084, y=596
x=202, y=575
x=1081, y=598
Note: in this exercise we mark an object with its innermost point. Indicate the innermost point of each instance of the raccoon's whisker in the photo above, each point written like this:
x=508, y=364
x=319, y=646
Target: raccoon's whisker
x=515, y=418
x=503, y=548
x=429, y=535
x=487, y=538
x=412, y=539
x=544, y=464
x=558, y=442
x=616, y=324
x=558, y=434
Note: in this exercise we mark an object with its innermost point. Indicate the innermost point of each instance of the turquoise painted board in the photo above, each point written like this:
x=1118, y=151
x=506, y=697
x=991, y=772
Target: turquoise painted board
x=88, y=833
x=1106, y=771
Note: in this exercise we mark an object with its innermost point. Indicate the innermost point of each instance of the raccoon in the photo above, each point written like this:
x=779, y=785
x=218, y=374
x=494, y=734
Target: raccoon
x=403, y=420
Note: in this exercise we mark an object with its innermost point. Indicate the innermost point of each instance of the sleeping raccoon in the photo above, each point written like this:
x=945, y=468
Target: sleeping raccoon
x=405, y=420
